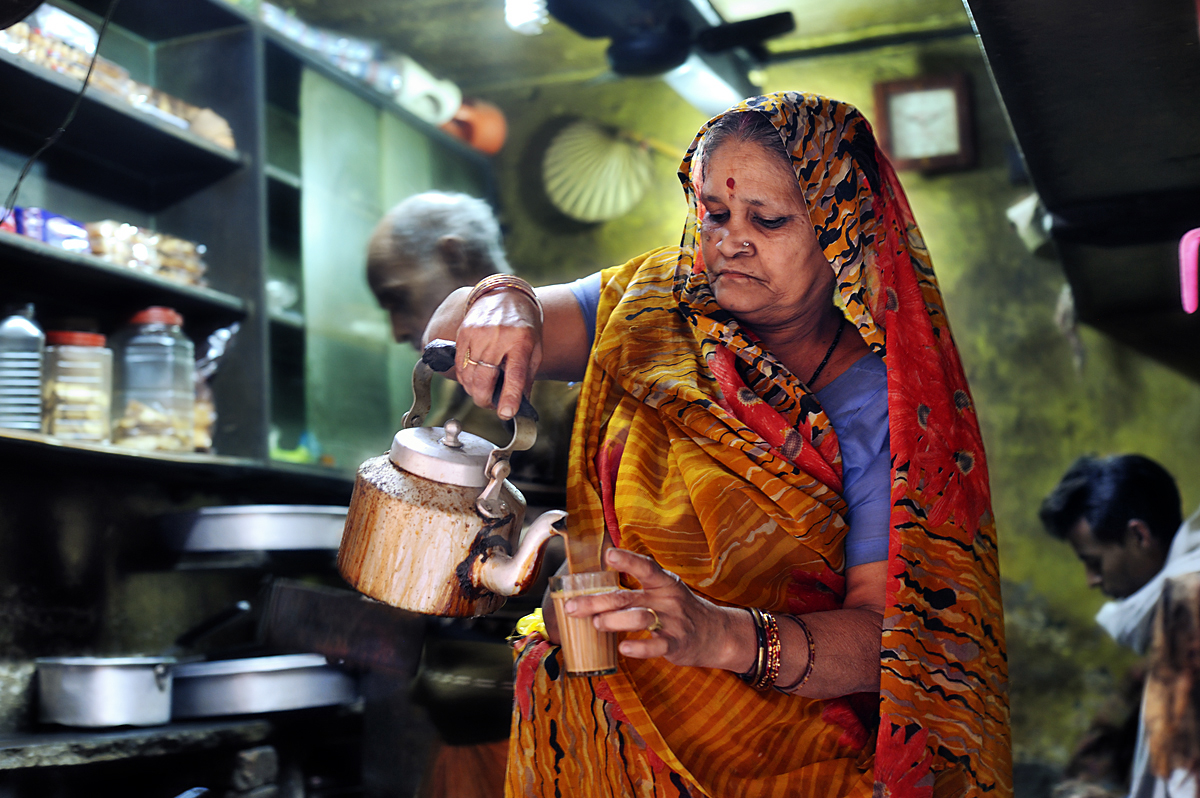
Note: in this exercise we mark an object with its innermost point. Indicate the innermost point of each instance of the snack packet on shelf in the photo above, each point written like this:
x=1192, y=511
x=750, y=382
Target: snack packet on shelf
x=54, y=23
x=15, y=38
x=206, y=365
x=59, y=231
x=157, y=104
x=209, y=125
x=147, y=251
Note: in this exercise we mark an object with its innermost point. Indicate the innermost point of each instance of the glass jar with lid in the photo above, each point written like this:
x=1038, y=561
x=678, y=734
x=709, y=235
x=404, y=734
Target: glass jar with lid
x=154, y=390
x=77, y=392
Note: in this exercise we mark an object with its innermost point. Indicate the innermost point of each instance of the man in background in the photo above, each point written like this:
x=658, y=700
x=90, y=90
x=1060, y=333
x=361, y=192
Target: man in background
x=426, y=247
x=1122, y=516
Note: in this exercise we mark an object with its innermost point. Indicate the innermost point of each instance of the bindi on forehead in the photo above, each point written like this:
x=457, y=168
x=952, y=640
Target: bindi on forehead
x=731, y=183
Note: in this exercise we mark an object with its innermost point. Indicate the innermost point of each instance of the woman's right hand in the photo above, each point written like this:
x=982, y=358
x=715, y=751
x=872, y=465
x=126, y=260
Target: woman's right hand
x=502, y=330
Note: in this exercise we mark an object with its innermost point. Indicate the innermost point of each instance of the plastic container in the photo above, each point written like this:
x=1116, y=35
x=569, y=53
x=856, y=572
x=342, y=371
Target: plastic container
x=77, y=398
x=21, y=347
x=154, y=392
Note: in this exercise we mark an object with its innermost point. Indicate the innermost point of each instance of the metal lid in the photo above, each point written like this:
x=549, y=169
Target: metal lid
x=103, y=661
x=447, y=455
x=229, y=667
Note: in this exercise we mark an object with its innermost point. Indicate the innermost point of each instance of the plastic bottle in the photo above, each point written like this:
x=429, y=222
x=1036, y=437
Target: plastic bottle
x=21, y=347
x=154, y=392
x=78, y=391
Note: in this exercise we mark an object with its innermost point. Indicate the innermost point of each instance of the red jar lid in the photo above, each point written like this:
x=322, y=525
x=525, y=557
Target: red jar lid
x=73, y=338
x=157, y=315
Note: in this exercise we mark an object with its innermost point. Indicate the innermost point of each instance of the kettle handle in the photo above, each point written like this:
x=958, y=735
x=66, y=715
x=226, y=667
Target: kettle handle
x=439, y=356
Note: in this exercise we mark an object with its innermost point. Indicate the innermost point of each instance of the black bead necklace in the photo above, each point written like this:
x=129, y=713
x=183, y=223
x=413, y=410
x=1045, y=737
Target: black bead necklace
x=837, y=337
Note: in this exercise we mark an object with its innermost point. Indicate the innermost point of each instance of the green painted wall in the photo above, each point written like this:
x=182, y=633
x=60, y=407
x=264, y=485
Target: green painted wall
x=1038, y=413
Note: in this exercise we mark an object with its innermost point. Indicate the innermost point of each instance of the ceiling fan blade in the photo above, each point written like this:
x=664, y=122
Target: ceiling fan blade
x=747, y=33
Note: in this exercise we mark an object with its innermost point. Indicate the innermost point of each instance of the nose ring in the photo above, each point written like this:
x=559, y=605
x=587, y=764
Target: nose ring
x=745, y=243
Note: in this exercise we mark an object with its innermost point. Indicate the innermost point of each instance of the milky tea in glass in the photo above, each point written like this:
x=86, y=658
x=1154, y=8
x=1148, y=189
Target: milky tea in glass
x=588, y=651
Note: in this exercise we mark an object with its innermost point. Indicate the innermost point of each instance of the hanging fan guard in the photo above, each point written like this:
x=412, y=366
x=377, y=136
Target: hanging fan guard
x=593, y=173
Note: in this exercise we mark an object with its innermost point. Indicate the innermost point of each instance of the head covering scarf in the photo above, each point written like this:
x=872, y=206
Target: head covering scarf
x=695, y=445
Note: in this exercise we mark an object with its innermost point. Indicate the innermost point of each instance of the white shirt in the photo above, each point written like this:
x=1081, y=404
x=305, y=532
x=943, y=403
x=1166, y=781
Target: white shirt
x=1130, y=622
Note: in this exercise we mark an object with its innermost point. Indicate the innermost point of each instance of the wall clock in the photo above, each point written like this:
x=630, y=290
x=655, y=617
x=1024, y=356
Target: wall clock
x=925, y=123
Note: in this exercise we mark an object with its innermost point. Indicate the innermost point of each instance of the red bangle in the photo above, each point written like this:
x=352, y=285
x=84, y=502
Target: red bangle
x=502, y=282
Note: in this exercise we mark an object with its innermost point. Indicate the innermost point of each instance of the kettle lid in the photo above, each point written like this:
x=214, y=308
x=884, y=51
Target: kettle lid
x=447, y=455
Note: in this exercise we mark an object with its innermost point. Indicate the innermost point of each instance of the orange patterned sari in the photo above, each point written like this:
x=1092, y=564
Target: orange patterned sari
x=695, y=446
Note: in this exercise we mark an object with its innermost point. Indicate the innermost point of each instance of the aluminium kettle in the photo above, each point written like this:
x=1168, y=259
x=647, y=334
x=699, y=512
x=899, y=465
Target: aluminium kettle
x=434, y=526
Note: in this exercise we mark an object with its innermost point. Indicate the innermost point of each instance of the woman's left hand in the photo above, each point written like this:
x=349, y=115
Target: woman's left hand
x=691, y=630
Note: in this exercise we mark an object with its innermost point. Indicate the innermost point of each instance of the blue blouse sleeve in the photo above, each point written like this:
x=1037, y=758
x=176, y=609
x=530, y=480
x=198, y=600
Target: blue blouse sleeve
x=587, y=294
x=856, y=403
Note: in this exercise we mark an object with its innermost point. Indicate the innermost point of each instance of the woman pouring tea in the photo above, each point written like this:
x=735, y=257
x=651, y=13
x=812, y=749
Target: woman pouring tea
x=776, y=447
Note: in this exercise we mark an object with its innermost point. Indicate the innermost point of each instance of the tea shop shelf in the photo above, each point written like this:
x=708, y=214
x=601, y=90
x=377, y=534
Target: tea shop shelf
x=282, y=176
x=37, y=445
x=23, y=453
x=79, y=747
x=287, y=318
x=145, y=18
x=87, y=285
x=111, y=148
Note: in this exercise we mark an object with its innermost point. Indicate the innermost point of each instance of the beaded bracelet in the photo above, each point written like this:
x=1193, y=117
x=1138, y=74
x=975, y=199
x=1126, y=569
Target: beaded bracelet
x=774, y=650
x=501, y=282
x=812, y=655
x=767, y=660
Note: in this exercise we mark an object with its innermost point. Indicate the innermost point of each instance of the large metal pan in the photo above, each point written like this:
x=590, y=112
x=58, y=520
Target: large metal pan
x=104, y=691
x=258, y=684
x=256, y=527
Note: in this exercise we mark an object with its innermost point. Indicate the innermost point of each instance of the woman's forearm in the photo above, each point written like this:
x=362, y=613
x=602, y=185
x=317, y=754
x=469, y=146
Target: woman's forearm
x=564, y=347
x=846, y=643
x=846, y=646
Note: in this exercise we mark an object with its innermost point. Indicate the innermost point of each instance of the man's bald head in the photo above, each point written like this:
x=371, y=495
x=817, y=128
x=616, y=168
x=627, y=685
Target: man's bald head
x=424, y=248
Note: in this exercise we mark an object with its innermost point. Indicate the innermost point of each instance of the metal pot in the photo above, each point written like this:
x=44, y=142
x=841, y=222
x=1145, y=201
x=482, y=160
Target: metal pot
x=104, y=691
x=256, y=527
x=258, y=684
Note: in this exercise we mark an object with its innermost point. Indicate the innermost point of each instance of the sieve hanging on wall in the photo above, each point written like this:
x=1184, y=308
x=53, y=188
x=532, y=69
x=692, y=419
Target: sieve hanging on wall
x=594, y=173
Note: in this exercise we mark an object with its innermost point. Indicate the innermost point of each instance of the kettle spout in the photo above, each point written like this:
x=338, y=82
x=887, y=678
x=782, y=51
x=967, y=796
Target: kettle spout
x=509, y=576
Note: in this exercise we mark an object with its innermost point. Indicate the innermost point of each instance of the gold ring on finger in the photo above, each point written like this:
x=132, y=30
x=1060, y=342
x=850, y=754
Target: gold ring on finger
x=467, y=361
x=656, y=624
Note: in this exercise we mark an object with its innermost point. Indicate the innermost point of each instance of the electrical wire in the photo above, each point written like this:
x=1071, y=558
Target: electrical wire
x=11, y=202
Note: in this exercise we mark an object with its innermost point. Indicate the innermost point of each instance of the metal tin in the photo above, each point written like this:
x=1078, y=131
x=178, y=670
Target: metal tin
x=258, y=684
x=104, y=691
x=257, y=527
x=447, y=455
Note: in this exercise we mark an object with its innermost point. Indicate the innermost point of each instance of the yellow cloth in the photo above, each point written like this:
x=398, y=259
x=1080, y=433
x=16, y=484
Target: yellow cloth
x=533, y=622
x=737, y=525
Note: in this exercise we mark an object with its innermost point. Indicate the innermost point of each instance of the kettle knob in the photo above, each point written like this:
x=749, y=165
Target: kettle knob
x=452, y=429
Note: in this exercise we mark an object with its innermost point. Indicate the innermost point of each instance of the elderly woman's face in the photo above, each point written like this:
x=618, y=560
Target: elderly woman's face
x=764, y=263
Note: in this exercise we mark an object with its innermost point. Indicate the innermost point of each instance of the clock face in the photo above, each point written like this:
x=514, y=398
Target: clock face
x=924, y=123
